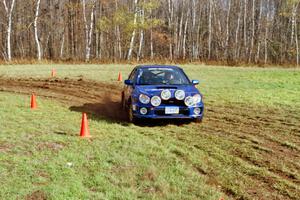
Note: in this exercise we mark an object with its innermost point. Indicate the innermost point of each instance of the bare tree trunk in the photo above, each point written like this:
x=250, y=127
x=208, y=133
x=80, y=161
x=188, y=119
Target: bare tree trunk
x=253, y=31
x=134, y=31
x=267, y=33
x=97, y=44
x=296, y=33
x=118, y=46
x=119, y=42
x=38, y=45
x=151, y=45
x=198, y=42
x=293, y=24
x=185, y=35
x=151, y=40
x=237, y=36
x=193, y=29
x=170, y=19
x=100, y=42
x=259, y=32
x=88, y=30
x=178, y=42
x=9, y=27
x=62, y=45
x=227, y=28
x=245, y=28
x=141, y=36
x=297, y=43
x=209, y=29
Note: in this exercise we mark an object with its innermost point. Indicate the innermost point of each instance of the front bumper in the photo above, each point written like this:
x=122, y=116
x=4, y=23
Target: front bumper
x=159, y=112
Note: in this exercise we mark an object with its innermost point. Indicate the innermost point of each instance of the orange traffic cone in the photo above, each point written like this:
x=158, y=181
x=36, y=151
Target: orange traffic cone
x=53, y=73
x=33, y=102
x=84, y=132
x=120, y=77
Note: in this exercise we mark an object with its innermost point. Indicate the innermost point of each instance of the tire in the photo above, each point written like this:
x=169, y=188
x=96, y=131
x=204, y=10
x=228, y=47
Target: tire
x=123, y=102
x=197, y=120
x=131, y=118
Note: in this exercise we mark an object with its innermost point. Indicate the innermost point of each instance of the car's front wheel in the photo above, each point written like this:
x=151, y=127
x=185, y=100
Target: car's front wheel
x=198, y=120
x=131, y=117
x=123, y=102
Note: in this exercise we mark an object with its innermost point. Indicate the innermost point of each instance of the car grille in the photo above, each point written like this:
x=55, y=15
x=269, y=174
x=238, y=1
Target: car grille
x=173, y=102
x=182, y=111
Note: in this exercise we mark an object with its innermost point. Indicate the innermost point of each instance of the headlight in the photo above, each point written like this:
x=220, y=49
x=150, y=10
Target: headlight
x=189, y=101
x=155, y=101
x=197, y=98
x=165, y=94
x=179, y=94
x=144, y=99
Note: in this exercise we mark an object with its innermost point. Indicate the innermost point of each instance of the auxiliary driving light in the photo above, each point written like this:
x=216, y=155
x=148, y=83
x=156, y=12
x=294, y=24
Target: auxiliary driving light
x=189, y=101
x=165, y=94
x=155, y=101
x=179, y=94
x=143, y=111
x=197, y=111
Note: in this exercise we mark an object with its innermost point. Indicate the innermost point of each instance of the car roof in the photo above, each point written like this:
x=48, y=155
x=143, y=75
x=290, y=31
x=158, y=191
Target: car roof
x=157, y=66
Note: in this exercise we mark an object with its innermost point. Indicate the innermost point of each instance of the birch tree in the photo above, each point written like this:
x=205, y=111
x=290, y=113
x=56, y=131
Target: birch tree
x=259, y=32
x=38, y=45
x=170, y=21
x=253, y=31
x=237, y=31
x=295, y=29
x=142, y=18
x=134, y=30
x=227, y=28
x=267, y=32
x=88, y=29
x=8, y=11
x=209, y=28
x=245, y=28
x=185, y=36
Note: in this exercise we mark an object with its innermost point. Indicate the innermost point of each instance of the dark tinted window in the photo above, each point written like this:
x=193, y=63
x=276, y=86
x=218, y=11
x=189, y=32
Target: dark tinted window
x=132, y=75
x=161, y=76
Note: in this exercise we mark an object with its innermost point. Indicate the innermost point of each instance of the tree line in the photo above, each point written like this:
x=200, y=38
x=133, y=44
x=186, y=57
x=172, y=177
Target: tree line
x=229, y=31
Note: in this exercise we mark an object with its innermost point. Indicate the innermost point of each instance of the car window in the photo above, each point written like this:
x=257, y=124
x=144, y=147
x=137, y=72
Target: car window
x=161, y=76
x=132, y=75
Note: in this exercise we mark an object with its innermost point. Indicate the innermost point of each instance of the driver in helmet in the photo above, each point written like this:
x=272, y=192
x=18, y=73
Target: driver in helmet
x=146, y=78
x=169, y=77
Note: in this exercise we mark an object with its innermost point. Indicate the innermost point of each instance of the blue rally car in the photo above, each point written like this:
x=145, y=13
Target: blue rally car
x=161, y=92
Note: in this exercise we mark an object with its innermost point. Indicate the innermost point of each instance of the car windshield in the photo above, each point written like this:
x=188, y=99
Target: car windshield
x=161, y=76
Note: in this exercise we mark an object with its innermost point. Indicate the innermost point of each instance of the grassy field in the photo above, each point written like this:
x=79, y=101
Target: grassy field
x=248, y=146
x=263, y=86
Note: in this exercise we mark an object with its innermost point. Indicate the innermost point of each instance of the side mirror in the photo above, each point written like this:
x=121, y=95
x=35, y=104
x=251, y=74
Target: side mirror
x=195, y=82
x=128, y=82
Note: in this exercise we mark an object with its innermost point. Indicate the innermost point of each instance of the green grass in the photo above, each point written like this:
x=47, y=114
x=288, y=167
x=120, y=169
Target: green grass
x=229, y=155
x=40, y=152
x=261, y=86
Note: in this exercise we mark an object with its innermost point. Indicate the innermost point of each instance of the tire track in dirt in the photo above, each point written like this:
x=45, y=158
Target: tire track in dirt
x=231, y=125
x=98, y=98
x=259, y=139
x=244, y=129
x=251, y=127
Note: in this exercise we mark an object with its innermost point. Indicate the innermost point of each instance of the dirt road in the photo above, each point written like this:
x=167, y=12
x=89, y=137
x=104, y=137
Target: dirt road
x=89, y=96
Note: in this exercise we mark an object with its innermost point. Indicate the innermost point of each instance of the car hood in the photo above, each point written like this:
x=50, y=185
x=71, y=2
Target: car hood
x=153, y=90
